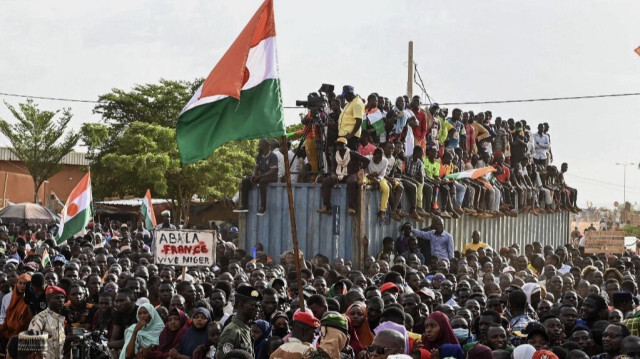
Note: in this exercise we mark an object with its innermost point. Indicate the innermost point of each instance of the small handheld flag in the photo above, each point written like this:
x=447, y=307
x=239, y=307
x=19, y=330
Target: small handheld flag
x=147, y=211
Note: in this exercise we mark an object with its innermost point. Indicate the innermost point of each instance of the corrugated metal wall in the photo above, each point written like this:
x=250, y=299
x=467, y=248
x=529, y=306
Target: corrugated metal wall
x=315, y=231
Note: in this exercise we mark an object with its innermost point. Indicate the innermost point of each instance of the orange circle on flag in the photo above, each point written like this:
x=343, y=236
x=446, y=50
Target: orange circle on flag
x=72, y=210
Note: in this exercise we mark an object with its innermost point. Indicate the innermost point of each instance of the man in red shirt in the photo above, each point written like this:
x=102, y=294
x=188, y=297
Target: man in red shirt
x=503, y=175
x=420, y=131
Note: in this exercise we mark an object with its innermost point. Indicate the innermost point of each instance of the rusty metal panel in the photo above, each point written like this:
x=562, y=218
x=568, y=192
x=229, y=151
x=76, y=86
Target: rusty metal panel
x=315, y=231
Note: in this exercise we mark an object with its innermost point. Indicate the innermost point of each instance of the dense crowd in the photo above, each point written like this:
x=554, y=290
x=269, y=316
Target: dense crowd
x=471, y=302
x=409, y=150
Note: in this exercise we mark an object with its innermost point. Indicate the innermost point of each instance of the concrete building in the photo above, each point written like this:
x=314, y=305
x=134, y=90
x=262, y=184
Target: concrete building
x=16, y=185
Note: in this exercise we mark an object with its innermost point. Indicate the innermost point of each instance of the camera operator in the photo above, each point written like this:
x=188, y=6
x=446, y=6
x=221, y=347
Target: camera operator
x=313, y=131
x=351, y=118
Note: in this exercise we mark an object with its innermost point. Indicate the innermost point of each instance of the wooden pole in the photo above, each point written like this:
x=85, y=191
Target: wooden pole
x=410, y=68
x=184, y=273
x=292, y=218
x=4, y=192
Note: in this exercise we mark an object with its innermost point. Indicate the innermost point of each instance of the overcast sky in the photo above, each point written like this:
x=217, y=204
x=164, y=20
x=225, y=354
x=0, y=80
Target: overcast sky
x=465, y=51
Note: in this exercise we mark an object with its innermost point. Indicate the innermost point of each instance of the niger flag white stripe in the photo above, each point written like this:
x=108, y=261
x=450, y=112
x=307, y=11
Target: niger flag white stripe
x=77, y=211
x=78, y=205
x=261, y=64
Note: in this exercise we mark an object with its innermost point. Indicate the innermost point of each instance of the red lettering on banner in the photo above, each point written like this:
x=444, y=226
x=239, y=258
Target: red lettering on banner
x=198, y=248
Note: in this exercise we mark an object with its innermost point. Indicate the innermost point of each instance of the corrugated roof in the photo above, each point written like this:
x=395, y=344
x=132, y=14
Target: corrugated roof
x=73, y=158
x=132, y=202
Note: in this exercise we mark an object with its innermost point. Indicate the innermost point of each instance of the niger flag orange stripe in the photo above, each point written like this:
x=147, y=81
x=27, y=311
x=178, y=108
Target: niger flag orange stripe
x=224, y=79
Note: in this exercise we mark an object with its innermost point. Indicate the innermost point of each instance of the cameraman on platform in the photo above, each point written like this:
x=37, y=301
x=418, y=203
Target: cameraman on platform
x=351, y=118
x=313, y=134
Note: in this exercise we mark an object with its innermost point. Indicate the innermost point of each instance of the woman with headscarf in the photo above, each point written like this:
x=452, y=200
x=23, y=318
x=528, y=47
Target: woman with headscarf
x=177, y=325
x=354, y=341
x=534, y=293
x=260, y=333
x=357, y=312
x=438, y=332
x=18, y=314
x=524, y=351
x=195, y=336
x=480, y=352
x=145, y=334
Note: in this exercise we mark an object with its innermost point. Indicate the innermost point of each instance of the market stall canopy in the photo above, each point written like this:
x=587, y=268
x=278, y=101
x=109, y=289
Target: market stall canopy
x=29, y=213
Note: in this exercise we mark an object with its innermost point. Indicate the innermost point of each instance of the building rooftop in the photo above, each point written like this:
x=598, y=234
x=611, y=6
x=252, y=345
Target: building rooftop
x=73, y=158
x=132, y=202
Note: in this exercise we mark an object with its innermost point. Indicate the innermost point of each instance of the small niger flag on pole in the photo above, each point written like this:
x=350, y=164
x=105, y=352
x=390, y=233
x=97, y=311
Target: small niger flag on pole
x=147, y=211
x=637, y=50
x=241, y=98
x=78, y=210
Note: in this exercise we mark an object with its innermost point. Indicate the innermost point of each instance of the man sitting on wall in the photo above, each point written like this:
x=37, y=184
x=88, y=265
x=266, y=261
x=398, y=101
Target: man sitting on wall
x=265, y=172
x=344, y=169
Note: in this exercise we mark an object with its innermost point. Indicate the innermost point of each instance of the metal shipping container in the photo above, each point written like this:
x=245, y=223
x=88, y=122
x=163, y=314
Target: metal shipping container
x=346, y=236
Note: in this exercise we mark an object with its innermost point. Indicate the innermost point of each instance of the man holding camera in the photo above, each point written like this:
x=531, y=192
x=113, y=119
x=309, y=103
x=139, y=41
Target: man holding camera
x=350, y=121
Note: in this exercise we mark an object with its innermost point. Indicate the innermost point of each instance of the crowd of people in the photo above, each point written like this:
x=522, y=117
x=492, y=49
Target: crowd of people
x=406, y=302
x=406, y=149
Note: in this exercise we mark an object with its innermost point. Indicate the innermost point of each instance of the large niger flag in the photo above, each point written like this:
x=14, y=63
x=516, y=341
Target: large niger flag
x=78, y=210
x=240, y=99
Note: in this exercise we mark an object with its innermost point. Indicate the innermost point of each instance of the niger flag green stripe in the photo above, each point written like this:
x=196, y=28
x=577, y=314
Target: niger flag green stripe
x=258, y=114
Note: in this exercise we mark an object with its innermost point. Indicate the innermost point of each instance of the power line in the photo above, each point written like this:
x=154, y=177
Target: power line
x=599, y=182
x=48, y=98
x=543, y=99
x=420, y=85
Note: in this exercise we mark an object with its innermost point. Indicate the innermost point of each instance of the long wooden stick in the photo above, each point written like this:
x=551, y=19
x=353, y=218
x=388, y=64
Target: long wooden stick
x=292, y=218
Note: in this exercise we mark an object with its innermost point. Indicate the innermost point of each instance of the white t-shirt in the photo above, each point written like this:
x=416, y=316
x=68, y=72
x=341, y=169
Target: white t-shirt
x=280, y=163
x=583, y=241
x=380, y=168
x=391, y=161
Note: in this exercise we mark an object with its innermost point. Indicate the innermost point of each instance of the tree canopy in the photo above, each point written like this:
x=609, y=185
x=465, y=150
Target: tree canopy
x=135, y=148
x=37, y=140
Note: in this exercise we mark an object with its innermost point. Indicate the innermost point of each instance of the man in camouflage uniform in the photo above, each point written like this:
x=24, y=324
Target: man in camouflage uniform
x=237, y=335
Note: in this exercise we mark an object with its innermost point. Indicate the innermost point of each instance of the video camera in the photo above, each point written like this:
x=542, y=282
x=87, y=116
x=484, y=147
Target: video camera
x=316, y=100
x=90, y=345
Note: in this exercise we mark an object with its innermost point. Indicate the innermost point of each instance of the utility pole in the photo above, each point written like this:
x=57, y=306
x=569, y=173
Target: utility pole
x=624, y=181
x=410, y=68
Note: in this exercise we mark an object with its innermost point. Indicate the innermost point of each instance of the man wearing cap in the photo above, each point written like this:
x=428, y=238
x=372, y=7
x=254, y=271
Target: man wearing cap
x=32, y=345
x=166, y=221
x=303, y=332
x=350, y=121
x=237, y=334
x=334, y=335
x=344, y=169
x=51, y=321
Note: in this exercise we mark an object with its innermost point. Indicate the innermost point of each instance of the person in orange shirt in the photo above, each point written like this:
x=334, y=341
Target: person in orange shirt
x=452, y=191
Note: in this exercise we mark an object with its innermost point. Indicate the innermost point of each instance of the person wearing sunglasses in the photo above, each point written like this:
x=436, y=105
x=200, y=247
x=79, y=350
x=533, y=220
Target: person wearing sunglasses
x=386, y=342
x=612, y=341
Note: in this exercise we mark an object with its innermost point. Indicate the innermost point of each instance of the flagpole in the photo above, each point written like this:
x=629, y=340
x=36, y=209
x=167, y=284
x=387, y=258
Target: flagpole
x=292, y=218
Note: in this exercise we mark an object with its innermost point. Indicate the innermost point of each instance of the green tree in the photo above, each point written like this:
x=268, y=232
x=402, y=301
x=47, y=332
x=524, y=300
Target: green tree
x=135, y=149
x=37, y=140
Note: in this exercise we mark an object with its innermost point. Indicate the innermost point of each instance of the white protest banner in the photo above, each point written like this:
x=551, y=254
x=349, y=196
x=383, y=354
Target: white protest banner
x=610, y=242
x=189, y=248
